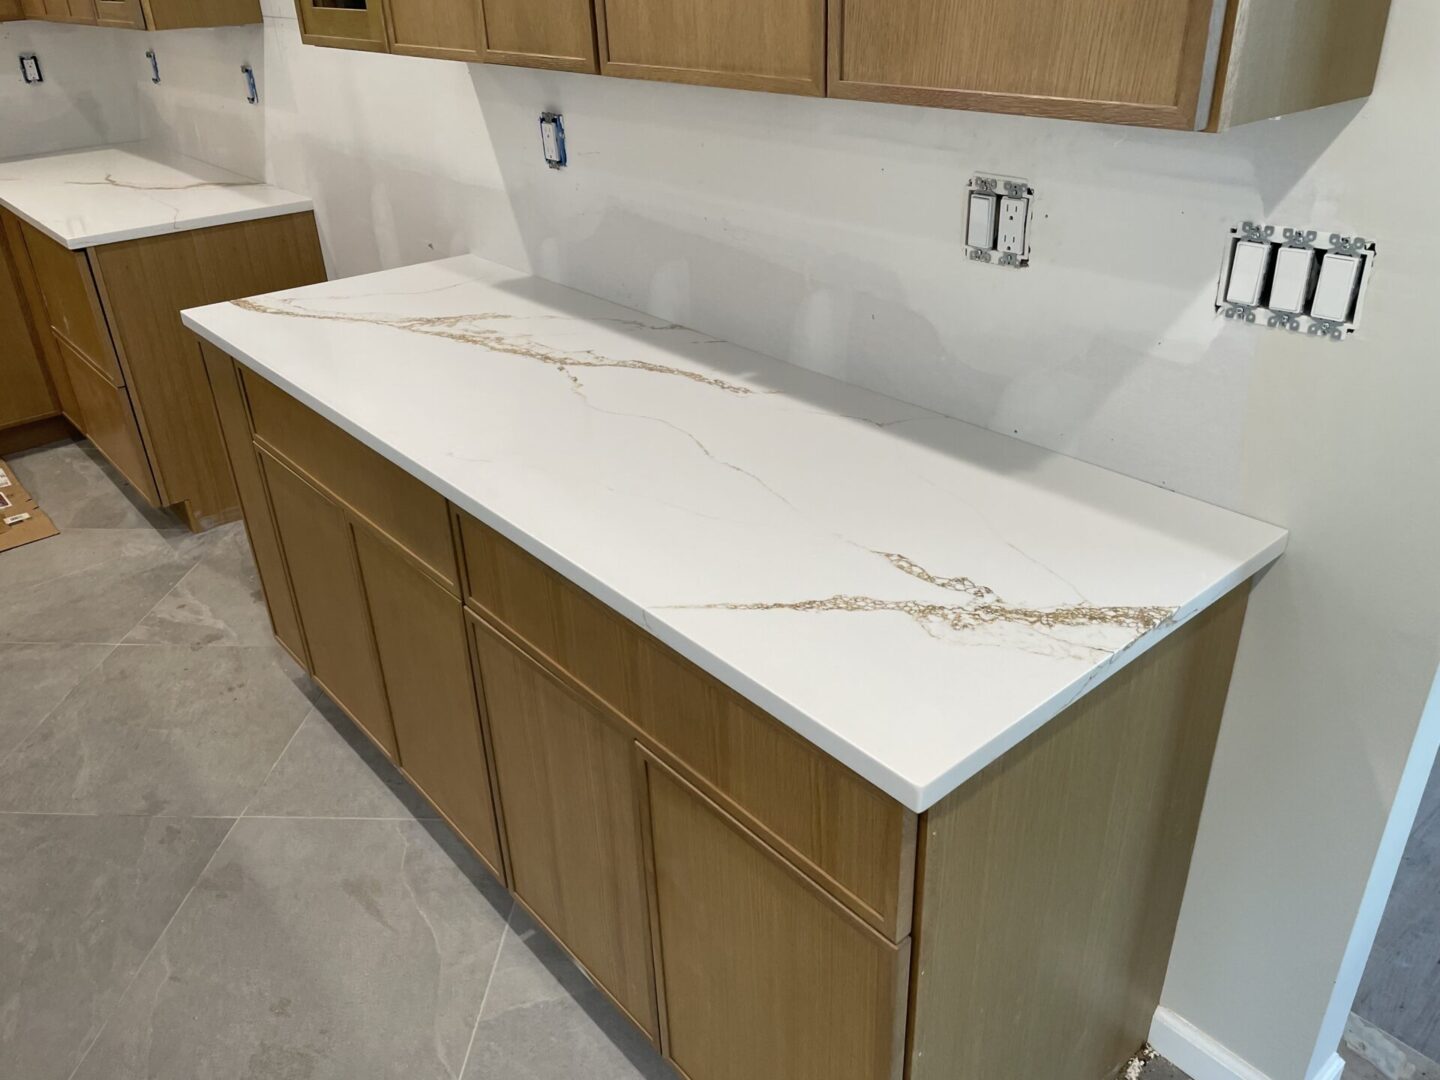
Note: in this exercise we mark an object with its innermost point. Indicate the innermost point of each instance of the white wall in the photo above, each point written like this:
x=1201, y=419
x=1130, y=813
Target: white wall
x=828, y=232
x=88, y=96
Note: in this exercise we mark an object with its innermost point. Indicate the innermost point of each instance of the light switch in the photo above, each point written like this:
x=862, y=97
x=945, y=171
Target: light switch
x=1335, y=292
x=981, y=232
x=1014, y=215
x=1247, y=272
x=1290, y=287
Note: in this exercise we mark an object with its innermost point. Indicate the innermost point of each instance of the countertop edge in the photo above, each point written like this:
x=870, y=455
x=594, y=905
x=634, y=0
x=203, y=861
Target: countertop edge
x=301, y=205
x=917, y=797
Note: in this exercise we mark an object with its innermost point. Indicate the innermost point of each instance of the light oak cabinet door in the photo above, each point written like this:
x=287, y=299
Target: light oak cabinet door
x=557, y=34
x=1123, y=61
x=125, y=13
x=567, y=785
x=72, y=302
x=762, y=973
x=342, y=24
x=108, y=420
x=330, y=598
x=425, y=659
x=775, y=45
x=25, y=390
x=442, y=29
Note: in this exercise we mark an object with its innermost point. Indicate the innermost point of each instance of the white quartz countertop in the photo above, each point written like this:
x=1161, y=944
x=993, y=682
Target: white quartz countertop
x=86, y=198
x=912, y=594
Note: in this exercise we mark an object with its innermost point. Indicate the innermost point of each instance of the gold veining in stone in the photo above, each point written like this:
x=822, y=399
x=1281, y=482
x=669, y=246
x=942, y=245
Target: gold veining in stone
x=462, y=328
x=134, y=185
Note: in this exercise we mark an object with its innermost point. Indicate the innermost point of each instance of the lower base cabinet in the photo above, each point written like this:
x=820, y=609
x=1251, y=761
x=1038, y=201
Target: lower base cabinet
x=109, y=421
x=727, y=893
x=763, y=973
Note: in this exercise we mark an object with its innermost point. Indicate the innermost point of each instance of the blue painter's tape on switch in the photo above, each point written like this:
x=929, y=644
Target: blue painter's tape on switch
x=552, y=139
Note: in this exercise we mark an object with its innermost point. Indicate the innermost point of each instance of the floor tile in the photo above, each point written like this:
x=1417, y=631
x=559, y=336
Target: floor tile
x=543, y=1020
x=219, y=602
x=1160, y=1069
x=160, y=729
x=79, y=489
x=330, y=769
x=120, y=576
x=322, y=950
x=35, y=679
x=82, y=900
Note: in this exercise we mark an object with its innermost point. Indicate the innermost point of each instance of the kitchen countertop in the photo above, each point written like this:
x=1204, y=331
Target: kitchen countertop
x=106, y=194
x=912, y=594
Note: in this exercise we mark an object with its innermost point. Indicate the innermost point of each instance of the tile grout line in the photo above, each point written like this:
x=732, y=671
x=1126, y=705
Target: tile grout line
x=109, y=652
x=120, y=998
x=92, y=566
x=484, y=997
x=156, y=606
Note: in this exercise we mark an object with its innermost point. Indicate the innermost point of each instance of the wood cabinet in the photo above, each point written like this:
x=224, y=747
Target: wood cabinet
x=11, y=9
x=776, y=45
x=140, y=14
x=763, y=973
x=117, y=307
x=343, y=24
x=425, y=660
x=752, y=906
x=108, y=420
x=557, y=34
x=567, y=784
x=443, y=29
x=26, y=393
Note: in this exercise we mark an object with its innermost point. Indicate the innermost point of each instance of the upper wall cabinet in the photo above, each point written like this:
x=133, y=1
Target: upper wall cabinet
x=443, y=29
x=776, y=45
x=556, y=34
x=142, y=14
x=343, y=24
x=1185, y=64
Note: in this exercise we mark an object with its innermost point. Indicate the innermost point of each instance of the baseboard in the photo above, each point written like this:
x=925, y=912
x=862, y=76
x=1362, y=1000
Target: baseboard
x=1203, y=1058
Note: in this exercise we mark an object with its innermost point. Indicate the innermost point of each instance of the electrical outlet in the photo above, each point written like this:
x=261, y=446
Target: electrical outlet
x=998, y=229
x=30, y=68
x=552, y=140
x=252, y=92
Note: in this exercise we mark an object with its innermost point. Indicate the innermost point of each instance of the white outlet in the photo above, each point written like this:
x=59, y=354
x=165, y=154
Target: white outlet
x=1014, y=221
x=30, y=68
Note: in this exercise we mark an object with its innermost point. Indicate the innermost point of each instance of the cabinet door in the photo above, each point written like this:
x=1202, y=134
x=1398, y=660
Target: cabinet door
x=79, y=11
x=567, y=784
x=776, y=45
x=342, y=24
x=72, y=303
x=108, y=420
x=1122, y=61
x=556, y=34
x=126, y=13
x=762, y=973
x=443, y=29
x=325, y=577
x=425, y=659
x=25, y=390
x=34, y=9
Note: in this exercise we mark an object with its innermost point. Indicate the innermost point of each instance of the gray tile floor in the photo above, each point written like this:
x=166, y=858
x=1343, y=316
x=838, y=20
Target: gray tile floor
x=204, y=871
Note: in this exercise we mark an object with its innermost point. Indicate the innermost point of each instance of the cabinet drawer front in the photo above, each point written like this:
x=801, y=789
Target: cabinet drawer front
x=343, y=24
x=320, y=555
x=381, y=493
x=1139, y=62
x=444, y=29
x=425, y=660
x=567, y=784
x=776, y=45
x=762, y=974
x=847, y=834
x=72, y=302
x=108, y=421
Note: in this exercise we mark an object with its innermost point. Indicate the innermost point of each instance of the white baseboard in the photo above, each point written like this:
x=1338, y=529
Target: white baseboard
x=1200, y=1056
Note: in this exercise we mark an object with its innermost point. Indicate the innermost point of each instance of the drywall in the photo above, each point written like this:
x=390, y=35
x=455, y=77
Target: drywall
x=88, y=95
x=829, y=233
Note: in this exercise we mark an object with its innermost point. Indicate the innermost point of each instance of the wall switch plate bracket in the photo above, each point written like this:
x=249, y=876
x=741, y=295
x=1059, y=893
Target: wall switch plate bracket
x=1006, y=206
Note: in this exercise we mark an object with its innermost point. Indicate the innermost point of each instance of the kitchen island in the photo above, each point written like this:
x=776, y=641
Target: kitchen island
x=833, y=737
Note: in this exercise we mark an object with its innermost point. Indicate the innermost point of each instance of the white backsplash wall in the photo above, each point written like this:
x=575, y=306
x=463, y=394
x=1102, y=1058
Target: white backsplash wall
x=88, y=95
x=829, y=233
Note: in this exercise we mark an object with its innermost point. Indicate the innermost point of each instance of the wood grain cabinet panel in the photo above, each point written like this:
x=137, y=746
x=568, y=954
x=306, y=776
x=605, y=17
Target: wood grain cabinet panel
x=330, y=598
x=567, y=783
x=343, y=24
x=191, y=14
x=72, y=302
x=376, y=490
x=124, y=13
x=851, y=837
x=11, y=9
x=556, y=34
x=234, y=418
x=1125, y=61
x=109, y=422
x=442, y=29
x=775, y=45
x=762, y=974
x=25, y=390
x=429, y=680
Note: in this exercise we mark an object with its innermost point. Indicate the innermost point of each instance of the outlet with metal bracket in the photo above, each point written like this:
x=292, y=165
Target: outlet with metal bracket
x=997, y=230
